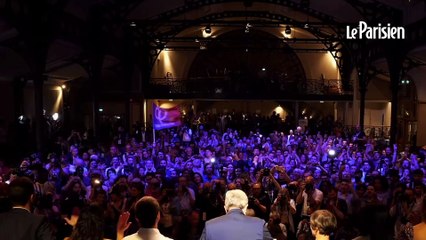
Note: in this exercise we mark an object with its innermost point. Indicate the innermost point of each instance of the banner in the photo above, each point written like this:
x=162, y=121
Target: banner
x=165, y=117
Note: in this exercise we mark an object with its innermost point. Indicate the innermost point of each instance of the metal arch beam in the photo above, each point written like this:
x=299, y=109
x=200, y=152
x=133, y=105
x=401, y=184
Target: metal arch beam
x=115, y=12
x=20, y=14
x=415, y=36
x=330, y=42
x=376, y=12
x=179, y=25
x=196, y=4
x=410, y=63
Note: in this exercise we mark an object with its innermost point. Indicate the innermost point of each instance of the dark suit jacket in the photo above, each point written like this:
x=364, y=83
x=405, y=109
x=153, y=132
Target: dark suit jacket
x=234, y=226
x=19, y=224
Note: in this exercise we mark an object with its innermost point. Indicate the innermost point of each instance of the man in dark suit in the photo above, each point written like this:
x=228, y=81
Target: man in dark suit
x=235, y=224
x=19, y=223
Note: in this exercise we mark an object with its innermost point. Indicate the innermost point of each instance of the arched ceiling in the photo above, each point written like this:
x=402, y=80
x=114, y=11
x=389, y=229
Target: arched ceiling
x=175, y=20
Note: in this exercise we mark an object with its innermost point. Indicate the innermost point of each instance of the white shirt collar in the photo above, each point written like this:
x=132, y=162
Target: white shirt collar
x=149, y=230
x=21, y=208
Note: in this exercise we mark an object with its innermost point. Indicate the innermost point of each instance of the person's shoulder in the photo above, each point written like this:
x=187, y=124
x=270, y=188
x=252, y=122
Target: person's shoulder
x=255, y=220
x=217, y=219
x=243, y=219
x=420, y=226
x=191, y=190
x=20, y=213
x=319, y=192
x=133, y=236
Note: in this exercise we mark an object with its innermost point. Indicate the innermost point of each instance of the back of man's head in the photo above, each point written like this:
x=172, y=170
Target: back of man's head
x=147, y=210
x=20, y=191
x=236, y=199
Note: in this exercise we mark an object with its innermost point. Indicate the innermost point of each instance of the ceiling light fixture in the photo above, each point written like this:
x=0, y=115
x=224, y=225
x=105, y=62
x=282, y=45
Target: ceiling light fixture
x=208, y=29
x=287, y=30
x=248, y=26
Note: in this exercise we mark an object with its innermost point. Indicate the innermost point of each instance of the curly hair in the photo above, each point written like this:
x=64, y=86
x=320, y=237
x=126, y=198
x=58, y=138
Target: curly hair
x=90, y=224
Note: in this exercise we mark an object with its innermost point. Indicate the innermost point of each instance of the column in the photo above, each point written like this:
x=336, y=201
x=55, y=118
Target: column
x=363, y=78
x=128, y=62
x=362, y=94
x=39, y=117
x=96, y=50
x=18, y=93
x=95, y=75
x=395, y=67
x=421, y=121
x=335, y=110
x=296, y=112
x=345, y=117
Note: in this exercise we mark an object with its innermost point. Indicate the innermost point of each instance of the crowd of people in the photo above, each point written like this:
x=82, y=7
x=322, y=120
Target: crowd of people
x=375, y=191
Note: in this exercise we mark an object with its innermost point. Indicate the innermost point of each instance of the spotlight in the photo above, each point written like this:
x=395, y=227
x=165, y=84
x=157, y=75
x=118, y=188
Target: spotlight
x=208, y=29
x=101, y=109
x=287, y=30
x=63, y=86
x=248, y=26
x=218, y=90
x=203, y=46
x=212, y=160
x=331, y=153
x=21, y=119
x=55, y=116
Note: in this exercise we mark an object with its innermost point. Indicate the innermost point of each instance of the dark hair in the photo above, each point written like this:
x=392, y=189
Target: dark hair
x=417, y=172
x=146, y=211
x=424, y=210
x=90, y=224
x=199, y=174
x=20, y=191
x=5, y=204
x=138, y=185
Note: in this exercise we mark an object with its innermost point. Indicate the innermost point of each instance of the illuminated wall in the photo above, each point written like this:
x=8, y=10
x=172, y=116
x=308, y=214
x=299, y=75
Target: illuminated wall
x=52, y=100
x=417, y=75
x=177, y=63
x=319, y=64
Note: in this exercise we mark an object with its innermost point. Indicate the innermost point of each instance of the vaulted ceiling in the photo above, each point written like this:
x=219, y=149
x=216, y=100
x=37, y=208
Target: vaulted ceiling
x=80, y=26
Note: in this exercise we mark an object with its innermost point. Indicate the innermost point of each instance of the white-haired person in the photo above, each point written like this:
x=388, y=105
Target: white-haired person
x=235, y=224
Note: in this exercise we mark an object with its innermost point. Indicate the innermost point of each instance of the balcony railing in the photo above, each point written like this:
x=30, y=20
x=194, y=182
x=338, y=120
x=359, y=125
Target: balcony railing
x=225, y=87
x=373, y=131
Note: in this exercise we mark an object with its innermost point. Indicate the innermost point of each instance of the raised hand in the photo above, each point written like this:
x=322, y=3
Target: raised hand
x=123, y=224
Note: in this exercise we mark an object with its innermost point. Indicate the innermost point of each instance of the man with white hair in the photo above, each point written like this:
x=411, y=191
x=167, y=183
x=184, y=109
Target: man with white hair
x=235, y=224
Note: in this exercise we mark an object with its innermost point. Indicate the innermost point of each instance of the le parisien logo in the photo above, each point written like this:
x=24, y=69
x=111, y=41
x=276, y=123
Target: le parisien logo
x=364, y=31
